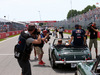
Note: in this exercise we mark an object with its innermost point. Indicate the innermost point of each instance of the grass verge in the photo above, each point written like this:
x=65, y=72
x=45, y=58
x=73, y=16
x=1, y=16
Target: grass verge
x=98, y=39
x=8, y=37
x=12, y=35
x=67, y=33
x=2, y=39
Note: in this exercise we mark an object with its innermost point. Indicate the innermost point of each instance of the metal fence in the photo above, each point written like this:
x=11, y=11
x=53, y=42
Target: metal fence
x=71, y=25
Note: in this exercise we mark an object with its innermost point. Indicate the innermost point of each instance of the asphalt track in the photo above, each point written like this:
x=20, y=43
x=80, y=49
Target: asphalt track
x=9, y=65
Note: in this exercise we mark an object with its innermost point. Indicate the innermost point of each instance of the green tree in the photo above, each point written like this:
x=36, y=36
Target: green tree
x=72, y=12
x=40, y=24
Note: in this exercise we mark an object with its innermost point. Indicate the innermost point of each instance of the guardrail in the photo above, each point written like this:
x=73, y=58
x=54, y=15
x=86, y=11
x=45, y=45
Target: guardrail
x=6, y=34
x=70, y=31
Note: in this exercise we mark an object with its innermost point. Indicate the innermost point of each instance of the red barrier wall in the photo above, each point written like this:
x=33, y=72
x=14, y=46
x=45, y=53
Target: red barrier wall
x=4, y=34
x=70, y=31
x=98, y=34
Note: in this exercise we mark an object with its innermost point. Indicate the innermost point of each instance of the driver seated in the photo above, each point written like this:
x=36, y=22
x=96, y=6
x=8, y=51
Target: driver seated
x=59, y=42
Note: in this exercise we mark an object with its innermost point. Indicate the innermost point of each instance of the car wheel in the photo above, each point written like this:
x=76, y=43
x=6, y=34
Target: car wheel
x=52, y=62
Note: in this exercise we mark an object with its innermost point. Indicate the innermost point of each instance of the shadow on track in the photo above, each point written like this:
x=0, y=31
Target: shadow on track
x=65, y=69
x=41, y=66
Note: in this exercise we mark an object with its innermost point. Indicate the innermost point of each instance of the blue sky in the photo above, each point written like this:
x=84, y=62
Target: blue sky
x=28, y=10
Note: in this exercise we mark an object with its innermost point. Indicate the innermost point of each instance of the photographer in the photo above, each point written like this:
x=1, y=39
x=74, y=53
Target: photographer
x=23, y=60
x=39, y=47
x=92, y=29
x=45, y=36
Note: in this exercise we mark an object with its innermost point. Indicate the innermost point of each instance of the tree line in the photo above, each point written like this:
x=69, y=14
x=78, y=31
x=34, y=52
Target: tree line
x=73, y=13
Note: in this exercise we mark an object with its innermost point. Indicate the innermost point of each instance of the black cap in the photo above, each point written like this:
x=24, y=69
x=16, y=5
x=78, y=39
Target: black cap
x=76, y=25
x=31, y=27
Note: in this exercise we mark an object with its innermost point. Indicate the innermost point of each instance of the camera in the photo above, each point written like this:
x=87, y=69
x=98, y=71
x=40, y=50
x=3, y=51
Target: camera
x=48, y=31
x=36, y=32
x=90, y=25
x=48, y=38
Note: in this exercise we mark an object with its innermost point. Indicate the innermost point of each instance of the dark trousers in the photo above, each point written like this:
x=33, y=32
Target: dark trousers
x=61, y=33
x=25, y=65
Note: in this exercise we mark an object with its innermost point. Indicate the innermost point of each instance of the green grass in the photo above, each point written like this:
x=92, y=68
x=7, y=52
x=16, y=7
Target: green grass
x=13, y=35
x=67, y=33
x=8, y=37
x=98, y=39
x=2, y=39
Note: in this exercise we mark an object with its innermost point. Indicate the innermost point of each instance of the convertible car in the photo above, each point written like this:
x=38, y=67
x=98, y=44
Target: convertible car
x=66, y=54
x=92, y=68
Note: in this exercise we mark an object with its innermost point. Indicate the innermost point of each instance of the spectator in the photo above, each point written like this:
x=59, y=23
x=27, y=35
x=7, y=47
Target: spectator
x=93, y=37
x=39, y=47
x=53, y=33
x=61, y=32
x=56, y=30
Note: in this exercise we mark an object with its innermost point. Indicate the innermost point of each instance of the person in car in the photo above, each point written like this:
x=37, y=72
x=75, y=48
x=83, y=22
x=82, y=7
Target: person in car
x=78, y=37
x=67, y=42
x=59, y=42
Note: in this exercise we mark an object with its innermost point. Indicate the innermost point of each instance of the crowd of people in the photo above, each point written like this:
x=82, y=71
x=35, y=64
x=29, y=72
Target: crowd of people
x=79, y=36
x=11, y=26
x=90, y=15
x=60, y=30
x=34, y=39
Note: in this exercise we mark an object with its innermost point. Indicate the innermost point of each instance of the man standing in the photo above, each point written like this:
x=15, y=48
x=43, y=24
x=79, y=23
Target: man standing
x=61, y=32
x=93, y=37
x=23, y=58
x=56, y=30
x=39, y=47
x=77, y=37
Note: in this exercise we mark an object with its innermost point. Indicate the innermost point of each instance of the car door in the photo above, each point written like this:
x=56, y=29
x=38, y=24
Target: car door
x=96, y=67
